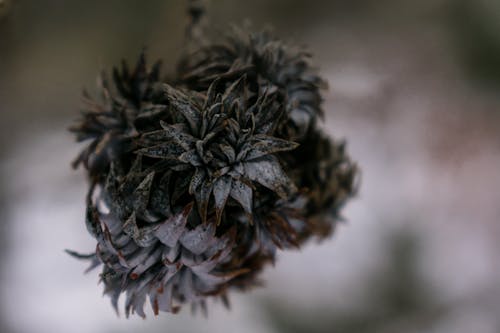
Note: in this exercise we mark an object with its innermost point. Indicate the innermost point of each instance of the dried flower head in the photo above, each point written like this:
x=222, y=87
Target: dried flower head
x=196, y=183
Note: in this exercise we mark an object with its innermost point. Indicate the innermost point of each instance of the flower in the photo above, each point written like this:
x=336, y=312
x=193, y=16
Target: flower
x=197, y=182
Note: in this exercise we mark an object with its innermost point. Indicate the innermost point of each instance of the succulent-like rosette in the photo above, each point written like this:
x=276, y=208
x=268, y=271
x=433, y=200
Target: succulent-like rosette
x=125, y=109
x=227, y=145
x=269, y=63
x=196, y=183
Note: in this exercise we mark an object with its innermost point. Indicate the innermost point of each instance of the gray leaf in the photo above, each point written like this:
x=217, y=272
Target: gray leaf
x=94, y=260
x=182, y=103
x=130, y=226
x=141, y=193
x=154, y=136
x=202, y=196
x=136, y=166
x=211, y=93
x=198, y=239
x=222, y=187
x=151, y=113
x=113, y=223
x=265, y=145
x=135, y=258
x=153, y=258
x=242, y=193
x=196, y=180
x=228, y=151
x=171, y=230
x=268, y=172
x=161, y=299
x=146, y=236
x=178, y=134
x=186, y=286
x=231, y=93
x=92, y=221
x=191, y=157
x=168, y=150
x=160, y=196
x=170, y=254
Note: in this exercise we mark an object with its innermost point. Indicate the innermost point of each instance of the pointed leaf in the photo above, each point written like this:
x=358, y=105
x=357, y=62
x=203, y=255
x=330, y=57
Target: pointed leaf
x=141, y=194
x=92, y=221
x=159, y=199
x=233, y=91
x=268, y=172
x=202, y=196
x=171, y=230
x=170, y=254
x=242, y=193
x=265, y=145
x=191, y=157
x=135, y=258
x=182, y=103
x=222, y=187
x=211, y=93
x=197, y=180
x=130, y=226
x=179, y=134
x=94, y=260
x=146, y=236
x=161, y=299
x=199, y=239
x=153, y=258
x=168, y=150
x=228, y=151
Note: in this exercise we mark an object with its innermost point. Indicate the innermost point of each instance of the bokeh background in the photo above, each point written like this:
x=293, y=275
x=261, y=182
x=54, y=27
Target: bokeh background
x=415, y=91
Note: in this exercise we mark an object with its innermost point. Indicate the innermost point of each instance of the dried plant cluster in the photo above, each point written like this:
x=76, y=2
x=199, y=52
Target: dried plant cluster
x=195, y=183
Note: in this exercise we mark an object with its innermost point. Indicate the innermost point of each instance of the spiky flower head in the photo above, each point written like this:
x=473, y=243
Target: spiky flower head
x=125, y=109
x=269, y=64
x=196, y=182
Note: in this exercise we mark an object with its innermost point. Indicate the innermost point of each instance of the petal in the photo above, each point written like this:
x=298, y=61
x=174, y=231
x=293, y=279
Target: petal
x=265, y=145
x=168, y=150
x=179, y=134
x=196, y=180
x=199, y=239
x=191, y=157
x=202, y=196
x=171, y=230
x=152, y=259
x=222, y=188
x=268, y=172
x=242, y=193
x=141, y=193
x=183, y=103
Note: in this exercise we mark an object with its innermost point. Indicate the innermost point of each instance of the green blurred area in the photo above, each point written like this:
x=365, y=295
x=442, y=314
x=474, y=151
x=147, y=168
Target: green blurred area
x=475, y=28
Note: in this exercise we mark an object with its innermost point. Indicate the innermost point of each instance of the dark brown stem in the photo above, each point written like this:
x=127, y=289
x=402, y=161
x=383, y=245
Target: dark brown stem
x=196, y=10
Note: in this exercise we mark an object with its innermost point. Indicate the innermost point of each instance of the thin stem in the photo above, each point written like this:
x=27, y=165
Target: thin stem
x=196, y=10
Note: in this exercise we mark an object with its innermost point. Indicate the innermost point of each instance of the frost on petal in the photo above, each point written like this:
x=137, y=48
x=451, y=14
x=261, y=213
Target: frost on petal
x=242, y=193
x=265, y=145
x=222, y=188
x=268, y=172
x=141, y=193
x=202, y=196
x=168, y=150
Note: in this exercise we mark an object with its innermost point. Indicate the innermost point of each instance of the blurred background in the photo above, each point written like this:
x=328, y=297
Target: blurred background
x=415, y=91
